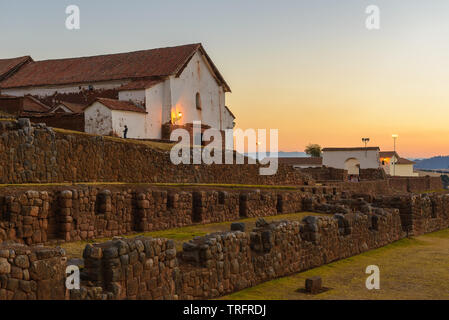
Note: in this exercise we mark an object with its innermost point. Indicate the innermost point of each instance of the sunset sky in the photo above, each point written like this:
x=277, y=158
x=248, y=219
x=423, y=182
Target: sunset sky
x=308, y=68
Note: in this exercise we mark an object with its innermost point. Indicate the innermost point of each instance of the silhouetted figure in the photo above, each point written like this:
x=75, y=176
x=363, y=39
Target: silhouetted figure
x=125, y=132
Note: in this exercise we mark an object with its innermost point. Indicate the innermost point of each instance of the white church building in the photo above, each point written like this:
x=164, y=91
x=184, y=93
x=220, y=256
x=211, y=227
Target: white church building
x=144, y=90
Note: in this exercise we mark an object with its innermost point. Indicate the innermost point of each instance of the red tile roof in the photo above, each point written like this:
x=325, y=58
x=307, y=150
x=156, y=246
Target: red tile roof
x=405, y=161
x=352, y=149
x=8, y=66
x=74, y=107
x=140, y=84
x=25, y=104
x=133, y=65
x=31, y=104
x=388, y=154
x=120, y=105
x=318, y=161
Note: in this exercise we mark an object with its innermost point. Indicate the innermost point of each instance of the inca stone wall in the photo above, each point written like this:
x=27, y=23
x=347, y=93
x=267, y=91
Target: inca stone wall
x=37, y=154
x=141, y=268
x=373, y=174
x=30, y=273
x=420, y=214
x=83, y=213
x=215, y=206
x=326, y=174
x=220, y=263
x=391, y=185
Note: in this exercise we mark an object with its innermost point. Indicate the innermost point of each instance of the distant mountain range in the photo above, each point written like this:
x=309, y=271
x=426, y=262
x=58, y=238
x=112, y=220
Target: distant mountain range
x=441, y=162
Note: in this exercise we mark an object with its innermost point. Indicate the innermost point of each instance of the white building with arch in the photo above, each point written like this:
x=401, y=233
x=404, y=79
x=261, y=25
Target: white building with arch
x=352, y=159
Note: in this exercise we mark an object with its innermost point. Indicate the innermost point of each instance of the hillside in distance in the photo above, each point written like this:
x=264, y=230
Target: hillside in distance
x=440, y=162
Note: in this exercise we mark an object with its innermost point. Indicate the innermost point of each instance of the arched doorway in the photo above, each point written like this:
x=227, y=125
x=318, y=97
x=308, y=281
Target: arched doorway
x=352, y=165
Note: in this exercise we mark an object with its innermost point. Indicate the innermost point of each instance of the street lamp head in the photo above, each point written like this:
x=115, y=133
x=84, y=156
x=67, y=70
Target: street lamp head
x=395, y=136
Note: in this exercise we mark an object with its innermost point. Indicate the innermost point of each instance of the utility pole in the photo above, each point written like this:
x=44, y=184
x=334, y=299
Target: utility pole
x=394, y=136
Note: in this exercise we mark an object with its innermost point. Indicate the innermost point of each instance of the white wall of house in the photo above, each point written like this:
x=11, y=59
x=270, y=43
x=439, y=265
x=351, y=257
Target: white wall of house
x=197, y=77
x=98, y=119
x=368, y=159
x=404, y=170
x=228, y=120
x=136, y=96
x=101, y=120
x=134, y=120
x=154, y=106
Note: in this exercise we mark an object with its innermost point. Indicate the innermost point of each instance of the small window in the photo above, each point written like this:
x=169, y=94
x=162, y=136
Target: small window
x=198, y=101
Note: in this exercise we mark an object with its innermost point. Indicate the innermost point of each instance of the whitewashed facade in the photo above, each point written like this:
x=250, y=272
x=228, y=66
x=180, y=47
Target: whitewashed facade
x=351, y=159
x=101, y=120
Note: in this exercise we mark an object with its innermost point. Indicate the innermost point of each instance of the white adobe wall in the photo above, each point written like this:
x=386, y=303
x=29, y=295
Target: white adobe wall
x=228, y=120
x=404, y=170
x=98, y=119
x=197, y=77
x=135, y=121
x=154, y=97
x=44, y=91
x=337, y=159
x=136, y=96
x=153, y=100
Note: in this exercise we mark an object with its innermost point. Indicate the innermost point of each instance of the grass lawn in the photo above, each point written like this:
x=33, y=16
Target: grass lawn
x=181, y=185
x=415, y=268
x=181, y=235
x=152, y=144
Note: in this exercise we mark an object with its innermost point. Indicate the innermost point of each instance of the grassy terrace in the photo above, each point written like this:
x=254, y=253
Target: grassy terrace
x=181, y=235
x=414, y=268
x=152, y=144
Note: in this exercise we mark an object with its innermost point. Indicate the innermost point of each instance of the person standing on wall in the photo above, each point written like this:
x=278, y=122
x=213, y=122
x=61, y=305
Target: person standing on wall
x=125, y=132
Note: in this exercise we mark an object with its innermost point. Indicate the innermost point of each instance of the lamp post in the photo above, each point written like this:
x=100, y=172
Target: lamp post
x=365, y=141
x=394, y=136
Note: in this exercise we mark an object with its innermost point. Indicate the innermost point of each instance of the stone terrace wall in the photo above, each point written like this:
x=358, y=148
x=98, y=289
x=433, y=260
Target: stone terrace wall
x=373, y=174
x=32, y=273
x=391, y=186
x=69, y=121
x=83, y=213
x=222, y=263
x=141, y=268
x=420, y=214
x=37, y=154
x=416, y=184
x=326, y=174
x=216, y=206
